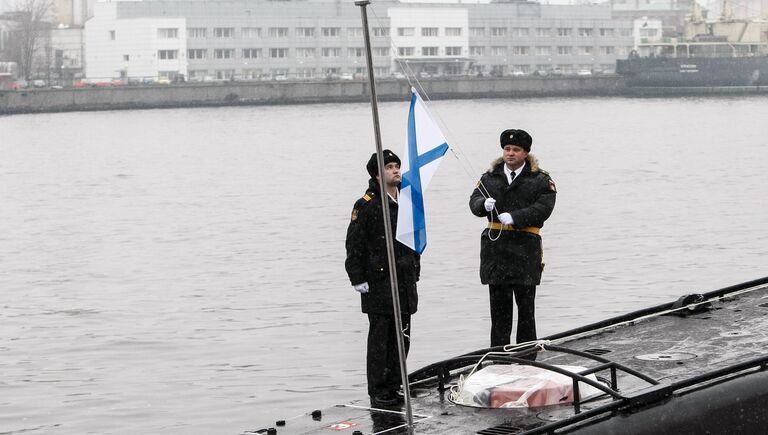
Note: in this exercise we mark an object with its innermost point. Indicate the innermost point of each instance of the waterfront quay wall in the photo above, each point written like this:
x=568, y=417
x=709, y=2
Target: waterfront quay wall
x=297, y=92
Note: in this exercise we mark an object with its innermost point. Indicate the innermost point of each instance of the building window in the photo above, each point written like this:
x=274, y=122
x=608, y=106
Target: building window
x=606, y=32
x=305, y=73
x=167, y=54
x=543, y=51
x=453, y=31
x=251, y=74
x=453, y=70
x=197, y=74
x=543, y=32
x=278, y=32
x=331, y=32
x=250, y=32
x=585, y=32
x=305, y=32
x=498, y=51
x=429, y=51
x=170, y=75
x=381, y=71
x=453, y=51
x=112, y=35
x=477, y=31
x=608, y=51
x=223, y=32
x=585, y=51
x=196, y=32
x=564, y=50
x=520, y=51
x=305, y=52
x=331, y=71
x=355, y=32
x=196, y=53
x=429, y=31
x=225, y=74
x=277, y=53
x=405, y=51
x=625, y=32
x=126, y=57
x=381, y=51
x=251, y=53
x=476, y=51
x=167, y=33
x=279, y=73
x=498, y=31
x=381, y=31
x=330, y=52
x=564, y=32
x=406, y=31
x=355, y=52
x=224, y=53
x=520, y=31
x=522, y=68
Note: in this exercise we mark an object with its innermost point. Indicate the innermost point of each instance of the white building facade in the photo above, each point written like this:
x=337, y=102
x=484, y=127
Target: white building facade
x=311, y=39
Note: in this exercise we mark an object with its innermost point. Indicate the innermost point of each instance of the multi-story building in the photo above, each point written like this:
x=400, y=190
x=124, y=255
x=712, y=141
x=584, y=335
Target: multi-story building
x=255, y=39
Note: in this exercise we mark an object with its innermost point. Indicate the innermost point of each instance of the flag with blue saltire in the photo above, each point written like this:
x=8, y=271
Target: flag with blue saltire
x=424, y=149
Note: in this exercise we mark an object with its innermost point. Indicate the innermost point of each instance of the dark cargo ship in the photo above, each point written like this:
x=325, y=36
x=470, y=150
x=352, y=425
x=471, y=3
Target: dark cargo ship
x=694, y=71
x=723, y=52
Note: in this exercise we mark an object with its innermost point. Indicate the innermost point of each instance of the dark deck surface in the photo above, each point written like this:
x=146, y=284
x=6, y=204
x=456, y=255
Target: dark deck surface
x=680, y=352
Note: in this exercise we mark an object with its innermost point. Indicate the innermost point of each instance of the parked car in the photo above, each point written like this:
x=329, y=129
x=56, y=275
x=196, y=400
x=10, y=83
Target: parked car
x=39, y=83
x=517, y=74
x=19, y=84
x=347, y=76
x=583, y=72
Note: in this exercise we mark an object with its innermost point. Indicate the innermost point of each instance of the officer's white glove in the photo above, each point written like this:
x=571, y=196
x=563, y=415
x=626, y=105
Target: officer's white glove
x=506, y=219
x=489, y=204
x=362, y=288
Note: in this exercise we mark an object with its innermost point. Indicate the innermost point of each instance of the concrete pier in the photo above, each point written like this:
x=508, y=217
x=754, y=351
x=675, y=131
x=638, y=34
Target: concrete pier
x=304, y=92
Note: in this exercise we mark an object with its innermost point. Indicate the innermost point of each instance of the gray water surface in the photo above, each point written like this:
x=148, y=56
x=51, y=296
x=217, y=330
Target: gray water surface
x=181, y=271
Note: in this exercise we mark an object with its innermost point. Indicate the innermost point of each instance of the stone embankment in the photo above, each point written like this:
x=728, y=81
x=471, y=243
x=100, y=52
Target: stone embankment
x=296, y=92
x=304, y=92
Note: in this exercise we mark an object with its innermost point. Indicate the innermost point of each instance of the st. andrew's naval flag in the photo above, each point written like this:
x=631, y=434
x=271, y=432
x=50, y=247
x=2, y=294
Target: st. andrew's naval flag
x=425, y=148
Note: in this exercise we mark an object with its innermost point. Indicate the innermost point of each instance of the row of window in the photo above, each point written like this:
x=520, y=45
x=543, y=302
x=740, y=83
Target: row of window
x=357, y=32
x=277, y=73
x=303, y=52
x=326, y=72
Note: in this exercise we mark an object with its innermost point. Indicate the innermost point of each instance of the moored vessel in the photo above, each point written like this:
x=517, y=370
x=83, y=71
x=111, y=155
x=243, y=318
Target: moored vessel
x=693, y=365
x=709, y=53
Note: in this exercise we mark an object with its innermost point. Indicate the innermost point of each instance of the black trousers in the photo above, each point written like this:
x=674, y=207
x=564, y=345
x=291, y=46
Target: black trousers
x=382, y=361
x=502, y=313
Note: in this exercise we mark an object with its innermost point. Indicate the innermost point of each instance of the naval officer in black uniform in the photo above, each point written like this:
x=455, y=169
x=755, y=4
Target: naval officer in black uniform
x=368, y=271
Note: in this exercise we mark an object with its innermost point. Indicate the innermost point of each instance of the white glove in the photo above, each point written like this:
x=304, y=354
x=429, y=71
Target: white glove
x=506, y=219
x=489, y=204
x=362, y=288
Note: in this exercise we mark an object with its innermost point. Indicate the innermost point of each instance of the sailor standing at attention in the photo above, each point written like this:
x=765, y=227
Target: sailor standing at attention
x=368, y=270
x=516, y=197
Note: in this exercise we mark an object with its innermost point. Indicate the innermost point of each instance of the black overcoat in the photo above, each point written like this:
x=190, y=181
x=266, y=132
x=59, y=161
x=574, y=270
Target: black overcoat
x=516, y=256
x=367, y=256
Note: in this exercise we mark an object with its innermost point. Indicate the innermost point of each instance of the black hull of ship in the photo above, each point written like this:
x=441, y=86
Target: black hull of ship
x=694, y=72
x=676, y=368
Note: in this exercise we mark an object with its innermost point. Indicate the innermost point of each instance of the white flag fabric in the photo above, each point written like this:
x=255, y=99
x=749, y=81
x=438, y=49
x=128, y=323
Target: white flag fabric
x=424, y=149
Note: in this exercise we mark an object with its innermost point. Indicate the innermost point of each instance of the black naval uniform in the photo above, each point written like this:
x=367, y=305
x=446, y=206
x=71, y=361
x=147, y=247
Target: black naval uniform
x=367, y=262
x=512, y=264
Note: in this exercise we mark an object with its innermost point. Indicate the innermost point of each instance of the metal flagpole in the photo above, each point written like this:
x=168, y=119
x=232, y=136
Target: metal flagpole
x=387, y=224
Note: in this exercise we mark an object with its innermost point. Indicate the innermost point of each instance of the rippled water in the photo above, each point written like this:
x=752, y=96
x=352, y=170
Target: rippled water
x=181, y=271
